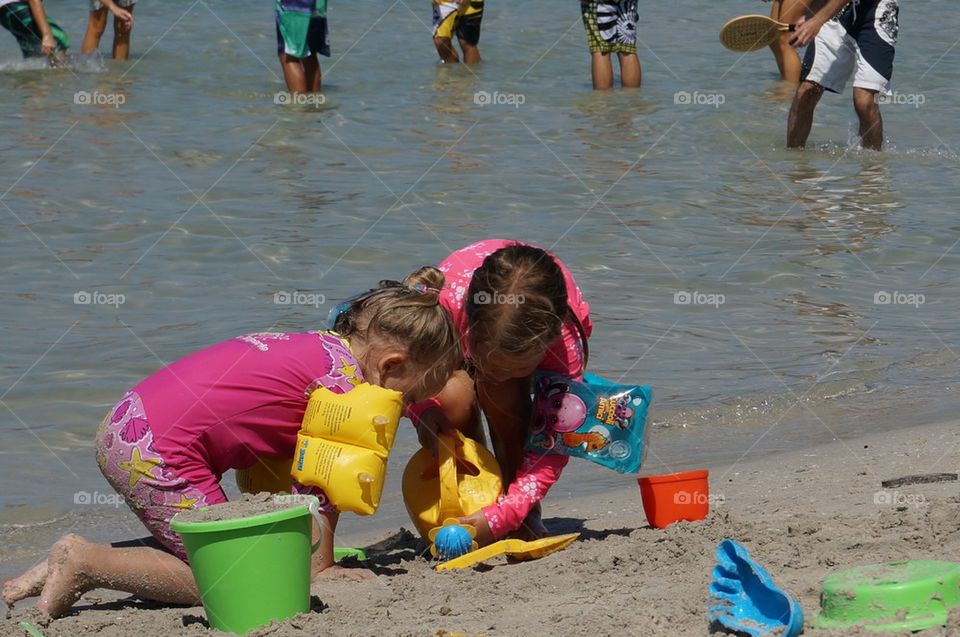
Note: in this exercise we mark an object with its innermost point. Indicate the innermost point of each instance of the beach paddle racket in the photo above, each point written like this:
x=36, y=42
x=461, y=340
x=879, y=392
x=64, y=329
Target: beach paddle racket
x=752, y=32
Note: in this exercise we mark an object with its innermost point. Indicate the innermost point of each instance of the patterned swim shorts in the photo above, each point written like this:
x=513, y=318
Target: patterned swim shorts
x=611, y=25
x=132, y=466
x=18, y=20
x=450, y=18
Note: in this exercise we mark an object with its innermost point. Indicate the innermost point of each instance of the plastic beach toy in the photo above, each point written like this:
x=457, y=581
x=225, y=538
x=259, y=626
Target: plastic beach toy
x=31, y=630
x=252, y=570
x=674, y=497
x=744, y=599
x=464, y=480
x=593, y=419
x=890, y=597
x=516, y=549
x=452, y=540
x=342, y=552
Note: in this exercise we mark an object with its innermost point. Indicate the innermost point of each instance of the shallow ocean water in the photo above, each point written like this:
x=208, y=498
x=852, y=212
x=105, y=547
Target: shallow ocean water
x=176, y=196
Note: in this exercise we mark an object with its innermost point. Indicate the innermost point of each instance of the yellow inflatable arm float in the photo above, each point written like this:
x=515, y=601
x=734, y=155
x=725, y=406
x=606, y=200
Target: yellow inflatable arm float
x=342, y=448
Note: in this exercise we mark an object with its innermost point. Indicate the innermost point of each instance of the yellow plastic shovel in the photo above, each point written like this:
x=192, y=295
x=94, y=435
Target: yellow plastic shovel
x=517, y=549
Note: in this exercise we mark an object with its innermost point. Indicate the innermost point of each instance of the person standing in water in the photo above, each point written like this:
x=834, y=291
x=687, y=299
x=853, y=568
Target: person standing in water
x=122, y=11
x=461, y=18
x=788, y=60
x=847, y=38
x=612, y=28
x=36, y=34
x=301, y=36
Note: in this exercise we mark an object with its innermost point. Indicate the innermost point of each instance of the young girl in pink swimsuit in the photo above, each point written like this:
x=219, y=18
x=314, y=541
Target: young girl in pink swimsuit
x=166, y=444
x=518, y=310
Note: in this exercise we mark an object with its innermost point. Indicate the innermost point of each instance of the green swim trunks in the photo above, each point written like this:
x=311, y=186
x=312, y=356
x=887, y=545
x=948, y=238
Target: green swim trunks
x=611, y=25
x=302, y=28
x=18, y=20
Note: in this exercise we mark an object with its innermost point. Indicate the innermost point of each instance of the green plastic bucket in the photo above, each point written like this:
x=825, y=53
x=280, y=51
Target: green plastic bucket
x=252, y=570
x=901, y=596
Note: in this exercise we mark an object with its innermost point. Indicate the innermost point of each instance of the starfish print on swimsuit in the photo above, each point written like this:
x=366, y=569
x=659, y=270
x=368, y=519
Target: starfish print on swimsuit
x=139, y=467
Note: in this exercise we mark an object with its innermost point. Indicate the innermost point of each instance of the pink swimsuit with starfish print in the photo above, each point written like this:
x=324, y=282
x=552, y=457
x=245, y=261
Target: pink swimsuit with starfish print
x=165, y=446
x=537, y=473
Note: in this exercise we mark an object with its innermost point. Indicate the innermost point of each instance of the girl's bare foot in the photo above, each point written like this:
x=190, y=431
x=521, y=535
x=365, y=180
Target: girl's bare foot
x=66, y=580
x=27, y=585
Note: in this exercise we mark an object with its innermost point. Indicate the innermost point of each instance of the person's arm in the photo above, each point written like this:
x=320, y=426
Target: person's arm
x=536, y=475
x=453, y=408
x=322, y=565
x=47, y=43
x=509, y=410
x=125, y=16
x=808, y=28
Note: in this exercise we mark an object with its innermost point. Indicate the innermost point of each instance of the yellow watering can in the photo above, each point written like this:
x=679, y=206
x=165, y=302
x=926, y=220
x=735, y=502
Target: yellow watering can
x=464, y=479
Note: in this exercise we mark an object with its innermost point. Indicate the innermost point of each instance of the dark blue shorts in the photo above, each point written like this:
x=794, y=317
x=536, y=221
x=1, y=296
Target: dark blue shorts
x=858, y=42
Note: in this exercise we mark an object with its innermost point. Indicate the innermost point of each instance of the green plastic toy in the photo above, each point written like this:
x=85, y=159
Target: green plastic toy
x=32, y=630
x=340, y=552
x=891, y=597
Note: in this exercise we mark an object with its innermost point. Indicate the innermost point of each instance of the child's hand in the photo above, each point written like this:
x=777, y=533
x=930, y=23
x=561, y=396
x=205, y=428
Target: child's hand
x=47, y=44
x=125, y=17
x=806, y=30
x=478, y=521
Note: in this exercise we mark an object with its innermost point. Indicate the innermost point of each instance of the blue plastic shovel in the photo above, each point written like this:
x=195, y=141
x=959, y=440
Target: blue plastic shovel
x=744, y=599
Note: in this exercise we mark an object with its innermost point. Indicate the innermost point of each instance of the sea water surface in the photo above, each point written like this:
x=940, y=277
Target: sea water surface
x=772, y=298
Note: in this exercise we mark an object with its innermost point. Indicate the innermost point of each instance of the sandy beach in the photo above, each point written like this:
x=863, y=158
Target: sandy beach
x=802, y=515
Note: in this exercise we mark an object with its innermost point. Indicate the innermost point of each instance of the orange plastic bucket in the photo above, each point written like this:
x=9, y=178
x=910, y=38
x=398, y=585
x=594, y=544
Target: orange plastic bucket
x=675, y=496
